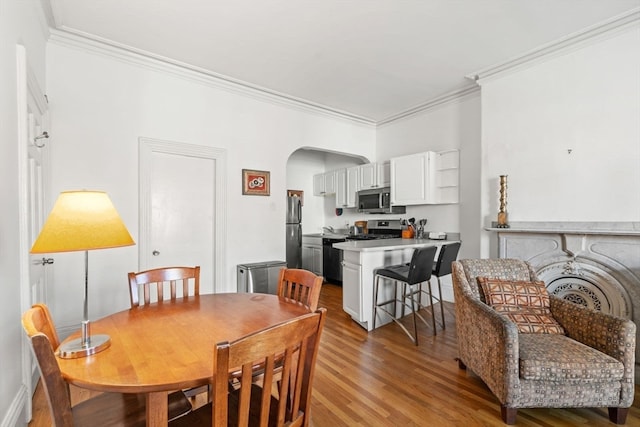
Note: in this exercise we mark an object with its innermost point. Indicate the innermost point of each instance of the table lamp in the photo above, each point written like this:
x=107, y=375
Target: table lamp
x=82, y=221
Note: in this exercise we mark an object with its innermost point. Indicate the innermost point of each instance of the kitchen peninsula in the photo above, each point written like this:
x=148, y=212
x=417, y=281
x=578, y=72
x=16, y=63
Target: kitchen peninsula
x=360, y=260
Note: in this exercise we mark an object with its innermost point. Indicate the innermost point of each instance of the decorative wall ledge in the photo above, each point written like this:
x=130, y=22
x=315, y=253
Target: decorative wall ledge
x=555, y=227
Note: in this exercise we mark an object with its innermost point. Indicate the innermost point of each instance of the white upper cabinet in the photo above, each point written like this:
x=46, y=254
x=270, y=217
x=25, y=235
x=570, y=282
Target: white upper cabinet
x=410, y=179
x=374, y=175
x=346, y=187
x=425, y=178
x=324, y=183
x=318, y=184
x=330, y=182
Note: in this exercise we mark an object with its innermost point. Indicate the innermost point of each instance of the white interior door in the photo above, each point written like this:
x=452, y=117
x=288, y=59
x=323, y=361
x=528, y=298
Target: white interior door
x=33, y=151
x=180, y=208
x=36, y=169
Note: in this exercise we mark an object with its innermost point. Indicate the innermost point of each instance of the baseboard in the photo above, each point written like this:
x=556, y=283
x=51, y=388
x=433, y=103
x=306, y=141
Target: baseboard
x=16, y=414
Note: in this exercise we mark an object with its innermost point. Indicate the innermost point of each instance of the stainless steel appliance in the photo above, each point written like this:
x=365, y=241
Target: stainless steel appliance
x=260, y=277
x=332, y=260
x=380, y=229
x=377, y=201
x=294, y=232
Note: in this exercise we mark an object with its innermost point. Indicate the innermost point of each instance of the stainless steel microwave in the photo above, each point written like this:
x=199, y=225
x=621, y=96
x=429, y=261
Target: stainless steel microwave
x=378, y=201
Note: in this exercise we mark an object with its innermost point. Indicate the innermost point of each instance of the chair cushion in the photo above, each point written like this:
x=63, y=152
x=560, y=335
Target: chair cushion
x=526, y=303
x=560, y=358
x=395, y=272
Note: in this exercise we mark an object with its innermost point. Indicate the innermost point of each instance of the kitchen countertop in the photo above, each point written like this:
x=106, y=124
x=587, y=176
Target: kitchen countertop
x=388, y=244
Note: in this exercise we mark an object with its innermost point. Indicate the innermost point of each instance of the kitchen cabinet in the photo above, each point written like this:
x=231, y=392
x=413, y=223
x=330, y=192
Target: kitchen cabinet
x=359, y=262
x=425, y=178
x=352, y=294
x=312, y=254
x=347, y=187
x=324, y=183
x=374, y=175
x=411, y=180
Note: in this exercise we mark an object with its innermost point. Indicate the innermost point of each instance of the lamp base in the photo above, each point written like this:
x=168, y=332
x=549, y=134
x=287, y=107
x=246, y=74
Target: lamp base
x=75, y=348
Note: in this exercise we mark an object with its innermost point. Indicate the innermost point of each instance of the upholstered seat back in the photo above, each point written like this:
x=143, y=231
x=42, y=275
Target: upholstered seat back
x=512, y=269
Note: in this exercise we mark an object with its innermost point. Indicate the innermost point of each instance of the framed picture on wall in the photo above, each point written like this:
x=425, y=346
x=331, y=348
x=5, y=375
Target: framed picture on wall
x=255, y=183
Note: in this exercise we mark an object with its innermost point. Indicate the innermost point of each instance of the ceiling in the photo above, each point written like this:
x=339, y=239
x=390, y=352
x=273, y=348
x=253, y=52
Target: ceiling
x=369, y=59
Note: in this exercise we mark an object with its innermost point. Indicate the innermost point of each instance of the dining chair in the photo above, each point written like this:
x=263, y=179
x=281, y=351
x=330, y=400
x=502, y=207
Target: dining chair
x=153, y=283
x=111, y=409
x=301, y=286
x=251, y=404
x=297, y=286
x=418, y=271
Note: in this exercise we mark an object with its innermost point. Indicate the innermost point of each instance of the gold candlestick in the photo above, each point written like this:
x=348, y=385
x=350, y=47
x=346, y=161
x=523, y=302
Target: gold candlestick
x=502, y=215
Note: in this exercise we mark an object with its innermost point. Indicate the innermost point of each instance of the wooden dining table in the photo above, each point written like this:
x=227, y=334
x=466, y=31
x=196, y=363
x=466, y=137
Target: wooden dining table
x=168, y=346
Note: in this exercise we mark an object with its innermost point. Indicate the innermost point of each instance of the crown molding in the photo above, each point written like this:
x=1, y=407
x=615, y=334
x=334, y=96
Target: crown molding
x=561, y=46
x=446, y=98
x=82, y=41
x=51, y=11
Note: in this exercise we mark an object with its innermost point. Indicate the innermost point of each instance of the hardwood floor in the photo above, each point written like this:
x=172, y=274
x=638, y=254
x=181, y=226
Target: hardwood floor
x=381, y=379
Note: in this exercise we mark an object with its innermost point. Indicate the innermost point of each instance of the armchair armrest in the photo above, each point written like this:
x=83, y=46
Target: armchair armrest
x=488, y=344
x=609, y=334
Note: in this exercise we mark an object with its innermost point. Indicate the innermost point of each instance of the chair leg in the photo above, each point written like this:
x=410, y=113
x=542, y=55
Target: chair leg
x=413, y=312
x=433, y=312
x=441, y=302
x=508, y=414
x=404, y=300
x=618, y=415
x=461, y=364
x=375, y=300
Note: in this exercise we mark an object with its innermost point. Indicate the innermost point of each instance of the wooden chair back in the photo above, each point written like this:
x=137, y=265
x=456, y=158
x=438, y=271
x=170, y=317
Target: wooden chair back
x=153, y=283
x=301, y=286
x=38, y=320
x=38, y=325
x=298, y=340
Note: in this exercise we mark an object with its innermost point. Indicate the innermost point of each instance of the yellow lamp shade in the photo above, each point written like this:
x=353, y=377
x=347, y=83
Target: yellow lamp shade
x=80, y=221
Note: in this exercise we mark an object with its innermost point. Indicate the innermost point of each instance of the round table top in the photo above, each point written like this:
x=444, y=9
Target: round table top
x=170, y=345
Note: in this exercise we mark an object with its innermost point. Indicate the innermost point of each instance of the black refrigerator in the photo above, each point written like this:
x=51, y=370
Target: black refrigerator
x=294, y=232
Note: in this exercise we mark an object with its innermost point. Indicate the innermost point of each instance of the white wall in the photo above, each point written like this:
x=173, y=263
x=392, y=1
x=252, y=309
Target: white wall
x=587, y=101
x=20, y=23
x=453, y=125
x=99, y=109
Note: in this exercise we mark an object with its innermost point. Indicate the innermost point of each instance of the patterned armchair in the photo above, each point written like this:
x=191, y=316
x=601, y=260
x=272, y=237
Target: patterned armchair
x=591, y=365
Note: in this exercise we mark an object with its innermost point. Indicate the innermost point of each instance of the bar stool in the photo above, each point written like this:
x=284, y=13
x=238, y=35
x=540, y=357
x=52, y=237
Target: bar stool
x=419, y=270
x=448, y=254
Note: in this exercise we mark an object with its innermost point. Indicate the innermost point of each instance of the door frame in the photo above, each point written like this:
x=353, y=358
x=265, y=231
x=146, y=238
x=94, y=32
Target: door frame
x=30, y=97
x=148, y=146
